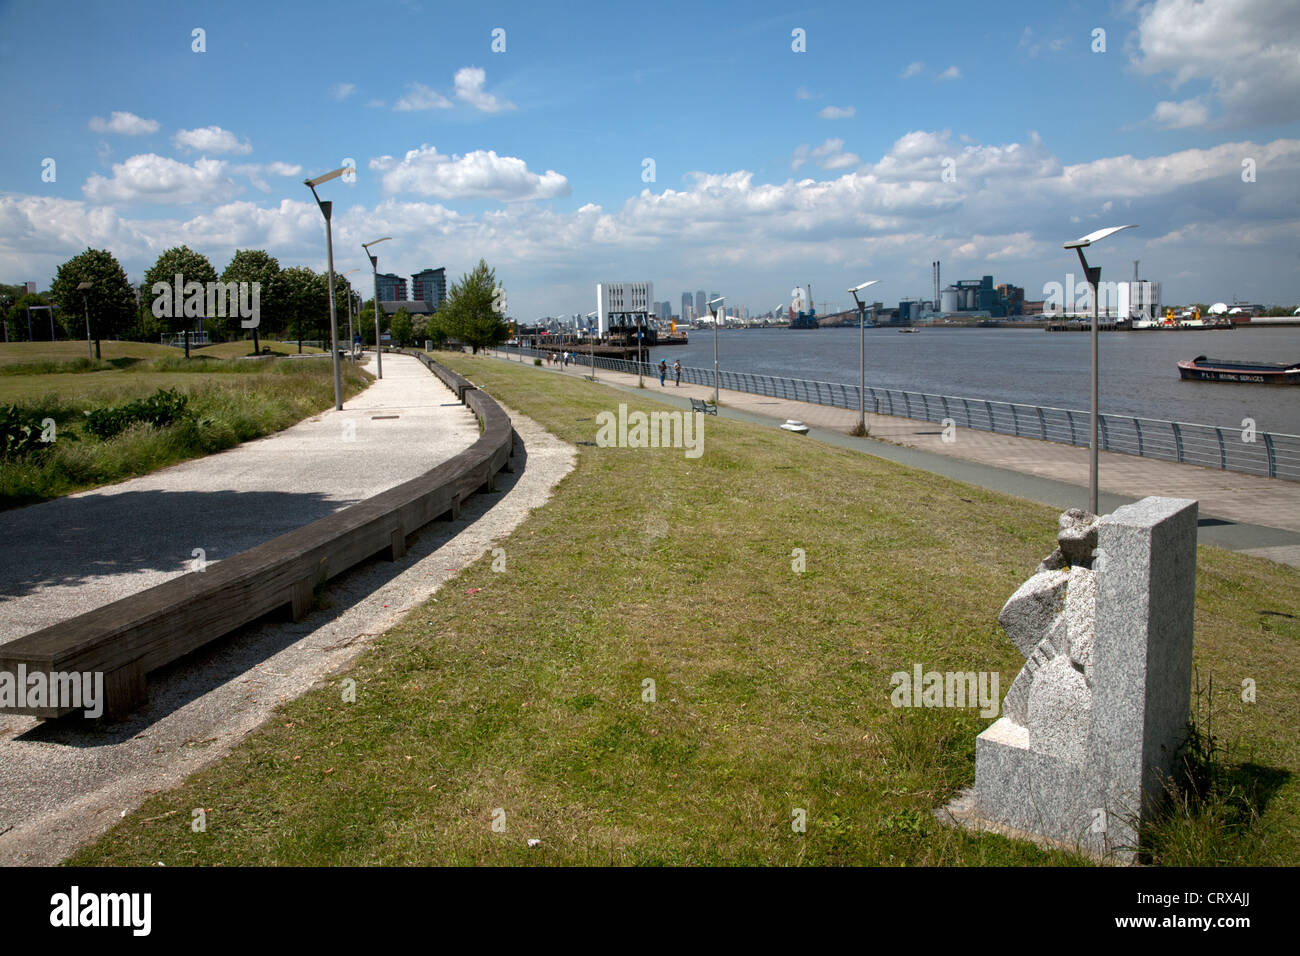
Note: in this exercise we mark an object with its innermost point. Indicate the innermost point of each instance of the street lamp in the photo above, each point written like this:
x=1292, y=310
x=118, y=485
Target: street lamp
x=326, y=207
x=374, y=265
x=1093, y=275
x=714, y=305
x=82, y=288
x=862, y=355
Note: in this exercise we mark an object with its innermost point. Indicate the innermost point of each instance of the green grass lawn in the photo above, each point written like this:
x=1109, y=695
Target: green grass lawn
x=231, y=402
x=524, y=691
x=46, y=356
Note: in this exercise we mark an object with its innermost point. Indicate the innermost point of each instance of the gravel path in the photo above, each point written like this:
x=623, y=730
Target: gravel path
x=62, y=785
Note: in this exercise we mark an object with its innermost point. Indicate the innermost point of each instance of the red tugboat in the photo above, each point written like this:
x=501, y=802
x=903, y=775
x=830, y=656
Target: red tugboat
x=1204, y=369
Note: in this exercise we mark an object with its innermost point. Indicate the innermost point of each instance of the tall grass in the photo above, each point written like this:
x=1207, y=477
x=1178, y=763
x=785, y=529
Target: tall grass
x=256, y=399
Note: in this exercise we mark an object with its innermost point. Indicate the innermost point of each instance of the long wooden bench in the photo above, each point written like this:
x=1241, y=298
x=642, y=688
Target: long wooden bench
x=128, y=638
x=699, y=405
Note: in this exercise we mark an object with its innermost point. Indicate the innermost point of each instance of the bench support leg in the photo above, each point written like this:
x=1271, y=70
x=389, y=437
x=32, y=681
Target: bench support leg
x=124, y=690
x=397, y=544
x=302, y=599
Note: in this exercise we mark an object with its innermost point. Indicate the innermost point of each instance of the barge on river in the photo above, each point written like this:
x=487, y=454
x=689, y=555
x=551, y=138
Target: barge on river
x=1204, y=369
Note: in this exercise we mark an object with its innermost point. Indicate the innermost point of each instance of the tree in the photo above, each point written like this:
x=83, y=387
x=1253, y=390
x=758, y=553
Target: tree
x=189, y=266
x=146, y=327
x=255, y=265
x=403, y=327
x=428, y=328
x=469, y=313
x=366, y=322
x=304, y=296
x=15, y=314
x=109, y=300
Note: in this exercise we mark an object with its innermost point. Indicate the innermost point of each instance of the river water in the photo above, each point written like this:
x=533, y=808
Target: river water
x=1139, y=372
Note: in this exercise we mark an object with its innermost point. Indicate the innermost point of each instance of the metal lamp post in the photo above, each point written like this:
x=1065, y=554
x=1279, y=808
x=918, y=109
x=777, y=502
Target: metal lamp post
x=714, y=305
x=326, y=207
x=374, y=265
x=1093, y=275
x=83, y=288
x=862, y=354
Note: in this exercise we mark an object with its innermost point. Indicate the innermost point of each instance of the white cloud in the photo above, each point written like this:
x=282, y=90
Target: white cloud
x=1246, y=51
x=829, y=155
x=123, y=123
x=913, y=69
x=1180, y=115
x=952, y=73
x=802, y=93
x=420, y=97
x=341, y=91
x=1035, y=47
x=375, y=104
x=257, y=172
x=1012, y=205
x=837, y=112
x=157, y=179
x=210, y=139
x=477, y=175
x=469, y=89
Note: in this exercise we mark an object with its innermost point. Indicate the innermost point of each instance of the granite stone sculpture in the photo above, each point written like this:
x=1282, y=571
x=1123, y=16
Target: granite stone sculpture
x=1092, y=726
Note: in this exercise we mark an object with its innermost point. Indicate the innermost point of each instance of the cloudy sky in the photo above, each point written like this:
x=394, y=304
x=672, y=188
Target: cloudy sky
x=741, y=148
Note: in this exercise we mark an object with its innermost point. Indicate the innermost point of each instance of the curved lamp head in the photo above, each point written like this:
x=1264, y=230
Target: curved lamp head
x=1097, y=236
x=858, y=288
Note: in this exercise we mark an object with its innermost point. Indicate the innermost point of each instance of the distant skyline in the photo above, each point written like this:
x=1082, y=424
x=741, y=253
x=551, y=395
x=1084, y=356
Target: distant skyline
x=746, y=148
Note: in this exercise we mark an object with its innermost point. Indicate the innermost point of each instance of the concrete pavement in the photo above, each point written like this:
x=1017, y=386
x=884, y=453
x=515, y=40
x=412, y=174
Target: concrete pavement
x=64, y=557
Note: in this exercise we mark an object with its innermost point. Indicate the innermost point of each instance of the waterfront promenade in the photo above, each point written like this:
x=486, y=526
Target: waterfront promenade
x=1240, y=512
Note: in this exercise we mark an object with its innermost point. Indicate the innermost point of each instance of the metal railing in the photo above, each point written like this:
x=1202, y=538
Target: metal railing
x=1271, y=454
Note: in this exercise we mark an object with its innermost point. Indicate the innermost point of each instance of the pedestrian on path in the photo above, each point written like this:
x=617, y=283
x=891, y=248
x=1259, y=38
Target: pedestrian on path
x=677, y=370
x=663, y=372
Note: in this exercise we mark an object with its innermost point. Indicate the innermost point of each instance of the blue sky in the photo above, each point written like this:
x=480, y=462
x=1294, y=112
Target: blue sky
x=771, y=167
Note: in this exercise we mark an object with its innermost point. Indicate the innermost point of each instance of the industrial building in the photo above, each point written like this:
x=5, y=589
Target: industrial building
x=980, y=295
x=623, y=304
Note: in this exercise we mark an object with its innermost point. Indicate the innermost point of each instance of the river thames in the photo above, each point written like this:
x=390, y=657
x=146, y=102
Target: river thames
x=1139, y=371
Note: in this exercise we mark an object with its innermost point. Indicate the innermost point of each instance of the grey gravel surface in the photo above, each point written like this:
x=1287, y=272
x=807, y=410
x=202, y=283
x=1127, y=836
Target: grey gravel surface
x=63, y=783
x=61, y=558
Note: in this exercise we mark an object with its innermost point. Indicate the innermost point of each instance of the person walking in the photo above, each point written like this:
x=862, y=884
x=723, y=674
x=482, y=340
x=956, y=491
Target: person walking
x=677, y=371
x=663, y=372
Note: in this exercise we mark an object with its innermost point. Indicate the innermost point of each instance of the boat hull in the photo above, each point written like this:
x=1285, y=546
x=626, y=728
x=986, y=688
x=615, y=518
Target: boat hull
x=1242, y=376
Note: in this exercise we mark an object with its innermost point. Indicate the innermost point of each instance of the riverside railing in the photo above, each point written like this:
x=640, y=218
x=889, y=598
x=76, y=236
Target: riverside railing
x=1273, y=454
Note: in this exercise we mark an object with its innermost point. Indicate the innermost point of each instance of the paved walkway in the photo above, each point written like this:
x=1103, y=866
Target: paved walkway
x=64, y=782
x=1241, y=512
x=67, y=556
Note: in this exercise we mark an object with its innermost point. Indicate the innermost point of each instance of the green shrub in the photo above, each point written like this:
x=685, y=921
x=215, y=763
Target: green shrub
x=20, y=433
x=162, y=408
